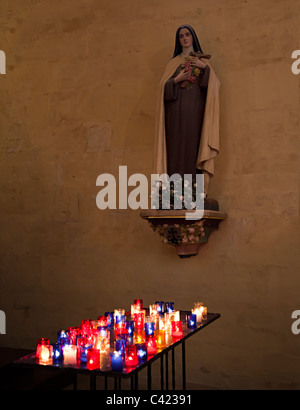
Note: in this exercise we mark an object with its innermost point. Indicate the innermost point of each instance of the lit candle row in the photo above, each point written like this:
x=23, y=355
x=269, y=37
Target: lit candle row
x=136, y=338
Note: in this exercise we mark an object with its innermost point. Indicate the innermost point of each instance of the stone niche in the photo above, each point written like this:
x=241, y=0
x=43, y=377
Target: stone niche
x=187, y=235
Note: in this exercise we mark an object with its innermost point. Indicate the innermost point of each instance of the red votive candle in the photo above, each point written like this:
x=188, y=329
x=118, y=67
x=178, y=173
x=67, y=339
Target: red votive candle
x=139, y=303
x=93, y=359
x=120, y=329
x=139, y=320
x=101, y=321
x=151, y=345
x=131, y=356
x=86, y=327
x=43, y=350
x=177, y=328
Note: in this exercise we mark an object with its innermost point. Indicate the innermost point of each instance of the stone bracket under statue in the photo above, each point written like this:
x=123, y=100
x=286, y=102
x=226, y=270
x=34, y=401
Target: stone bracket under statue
x=186, y=235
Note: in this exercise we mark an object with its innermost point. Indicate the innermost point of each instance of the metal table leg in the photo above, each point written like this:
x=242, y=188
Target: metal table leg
x=183, y=366
x=162, y=372
x=167, y=371
x=149, y=376
x=93, y=382
x=173, y=369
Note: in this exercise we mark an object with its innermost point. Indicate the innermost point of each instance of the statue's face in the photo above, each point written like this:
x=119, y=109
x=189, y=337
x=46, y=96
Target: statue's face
x=185, y=38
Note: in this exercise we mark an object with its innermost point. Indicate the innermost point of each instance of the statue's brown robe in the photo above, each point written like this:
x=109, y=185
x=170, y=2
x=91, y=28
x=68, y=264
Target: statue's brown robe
x=209, y=141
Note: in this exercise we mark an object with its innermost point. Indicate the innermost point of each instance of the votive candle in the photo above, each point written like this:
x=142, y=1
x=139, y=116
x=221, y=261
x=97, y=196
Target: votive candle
x=149, y=328
x=159, y=307
x=191, y=320
x=83, y=351
x=70, y=354
x=177, y=328
x=139, y=319
x=169, y=307
x=138, y=303
x=116, y=361
x=129, y=325
x=142, y=352
x=151, y=345
x=92, y=359
x=131, y=357
x=58, y=353
x=160, y=339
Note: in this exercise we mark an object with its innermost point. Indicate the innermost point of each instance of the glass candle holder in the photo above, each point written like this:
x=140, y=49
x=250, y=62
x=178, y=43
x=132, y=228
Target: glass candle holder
x=83, y=351
x=116, y=361
x=120, y=319
x=92, y=359
x=139, y=320
x=151, y=345
x=133, y=309
x=200, y=311
x=167, y=322
x=109, y=318
x=191, y=320
x=161, y=324
x=159, y=307
x=204, y=313
x=101, y=343
x=120, y=329
x=175, y=315
x=177, y=328
x=70, y=354
x=169, y=307
x=160, y=339
x=138, y=303
x=44, y=341
x=149, y=328
x=142, y=352
x=118, y=312
x=129, y=325
x=86, y=327
x=63, y=337
x=72, y=332
x=139, y=336
x=153, y=310
x=44, y=350
x=131, y=357
x=58, y=353
x=120, y=344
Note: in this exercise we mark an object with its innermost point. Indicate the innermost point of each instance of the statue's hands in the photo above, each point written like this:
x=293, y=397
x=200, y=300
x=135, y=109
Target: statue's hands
x=182, y=76
x=196, y=62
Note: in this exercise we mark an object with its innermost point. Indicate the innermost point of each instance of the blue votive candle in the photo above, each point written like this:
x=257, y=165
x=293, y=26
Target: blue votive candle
x=149, y=328
x=159, y=307
x=120, y=346
x=58, y=354
x=119, y=319
x=129, y=325
x=142, y=352
x=191, y=320
x=63, y=337
x=116, y=361
x=83, y=351
x=169, y=307
x=110, y=318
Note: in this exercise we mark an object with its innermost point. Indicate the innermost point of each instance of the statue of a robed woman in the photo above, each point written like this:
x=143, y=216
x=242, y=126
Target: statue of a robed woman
x=187, y=128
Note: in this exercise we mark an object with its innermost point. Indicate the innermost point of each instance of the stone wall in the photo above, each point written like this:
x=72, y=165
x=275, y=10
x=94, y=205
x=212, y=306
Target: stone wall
x=78, y=99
